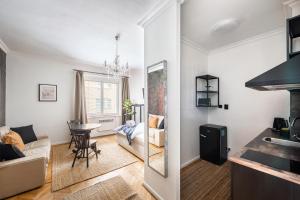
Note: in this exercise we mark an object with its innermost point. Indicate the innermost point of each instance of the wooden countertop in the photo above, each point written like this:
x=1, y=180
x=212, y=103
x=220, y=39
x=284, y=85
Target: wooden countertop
x=257, y=144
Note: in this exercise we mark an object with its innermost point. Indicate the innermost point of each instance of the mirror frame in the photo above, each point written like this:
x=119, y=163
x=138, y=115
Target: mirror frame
x=164, y=63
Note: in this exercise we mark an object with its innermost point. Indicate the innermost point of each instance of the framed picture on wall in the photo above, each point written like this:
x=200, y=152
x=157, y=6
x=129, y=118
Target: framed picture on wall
x=47, y=92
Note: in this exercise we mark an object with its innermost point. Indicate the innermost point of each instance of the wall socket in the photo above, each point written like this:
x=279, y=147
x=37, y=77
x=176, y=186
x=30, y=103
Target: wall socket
x=226, y=106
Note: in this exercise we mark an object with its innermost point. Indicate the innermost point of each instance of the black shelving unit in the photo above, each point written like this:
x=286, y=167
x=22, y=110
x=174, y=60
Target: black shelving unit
x=207, y=94
x=293, y=32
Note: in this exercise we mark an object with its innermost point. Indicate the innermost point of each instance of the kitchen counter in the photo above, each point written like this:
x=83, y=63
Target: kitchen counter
x=257, y=144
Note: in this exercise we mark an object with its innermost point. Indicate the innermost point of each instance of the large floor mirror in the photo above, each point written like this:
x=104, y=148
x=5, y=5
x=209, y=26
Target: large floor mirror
x=157, y=117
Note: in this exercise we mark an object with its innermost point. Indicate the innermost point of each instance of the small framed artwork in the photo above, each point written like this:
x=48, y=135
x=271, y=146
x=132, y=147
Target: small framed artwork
x=47, y=92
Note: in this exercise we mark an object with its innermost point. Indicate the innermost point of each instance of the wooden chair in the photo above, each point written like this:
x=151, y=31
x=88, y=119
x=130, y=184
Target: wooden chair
x=82, y=145
x=72, y=132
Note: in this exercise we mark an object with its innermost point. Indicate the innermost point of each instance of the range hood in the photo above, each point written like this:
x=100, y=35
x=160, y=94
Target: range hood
x=285, y=76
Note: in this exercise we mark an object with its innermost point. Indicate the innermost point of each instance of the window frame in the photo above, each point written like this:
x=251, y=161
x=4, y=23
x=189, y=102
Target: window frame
x=102, y=80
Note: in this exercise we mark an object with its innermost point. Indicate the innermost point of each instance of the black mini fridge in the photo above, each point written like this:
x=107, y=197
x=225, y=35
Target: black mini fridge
x=213, y=143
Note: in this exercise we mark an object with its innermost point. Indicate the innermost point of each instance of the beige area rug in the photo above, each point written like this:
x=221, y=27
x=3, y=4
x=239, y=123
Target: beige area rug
x=112, y=157
x=112, y=189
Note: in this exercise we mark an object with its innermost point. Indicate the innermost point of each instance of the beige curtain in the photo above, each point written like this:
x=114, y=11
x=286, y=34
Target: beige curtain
x=125, y=95
x=80, y=105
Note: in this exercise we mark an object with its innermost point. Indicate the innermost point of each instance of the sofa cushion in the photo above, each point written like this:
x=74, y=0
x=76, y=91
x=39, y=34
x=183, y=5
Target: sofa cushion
x=160, y=118
x=9, y=152
x=41, y=151
x=36, y=144
x=13, y=138
x=153, y=122
x=40, y=147
x=162, y=124
x=26, y=132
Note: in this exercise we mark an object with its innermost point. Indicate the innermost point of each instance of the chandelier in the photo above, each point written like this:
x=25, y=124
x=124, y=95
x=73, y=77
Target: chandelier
x=116, y=69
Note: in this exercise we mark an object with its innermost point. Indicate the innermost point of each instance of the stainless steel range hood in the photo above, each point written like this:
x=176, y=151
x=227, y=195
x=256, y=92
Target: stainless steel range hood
x=285, y=76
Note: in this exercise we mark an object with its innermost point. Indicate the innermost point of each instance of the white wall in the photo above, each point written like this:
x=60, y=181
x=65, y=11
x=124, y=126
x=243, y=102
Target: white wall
x=250, y=111
x=193, y=63
x=24, y=73
x=162, y=42
x=136, y=84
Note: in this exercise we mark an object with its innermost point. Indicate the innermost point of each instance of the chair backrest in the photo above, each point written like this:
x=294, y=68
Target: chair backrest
x=72, y=122
x=81, y=140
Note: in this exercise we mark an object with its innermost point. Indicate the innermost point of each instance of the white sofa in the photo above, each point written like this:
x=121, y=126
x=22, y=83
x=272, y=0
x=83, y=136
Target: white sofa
x=27, y=173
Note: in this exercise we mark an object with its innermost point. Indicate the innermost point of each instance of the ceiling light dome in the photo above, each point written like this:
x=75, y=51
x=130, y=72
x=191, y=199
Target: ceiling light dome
x=225, y=25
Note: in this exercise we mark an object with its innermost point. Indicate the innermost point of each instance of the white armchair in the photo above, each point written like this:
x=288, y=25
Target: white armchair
x=157, y=137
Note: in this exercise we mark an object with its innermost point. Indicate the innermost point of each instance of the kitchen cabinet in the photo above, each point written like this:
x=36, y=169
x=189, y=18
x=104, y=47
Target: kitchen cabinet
x=250, y=184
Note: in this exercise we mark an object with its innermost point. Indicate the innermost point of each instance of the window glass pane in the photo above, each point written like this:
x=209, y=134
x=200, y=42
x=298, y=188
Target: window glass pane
x=110, y=98
x=93, y=97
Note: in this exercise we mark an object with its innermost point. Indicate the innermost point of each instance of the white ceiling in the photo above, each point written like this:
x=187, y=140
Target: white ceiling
x=78, y=30
x=255, y=17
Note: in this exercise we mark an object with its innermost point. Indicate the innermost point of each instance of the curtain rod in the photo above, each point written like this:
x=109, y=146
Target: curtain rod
x=90, y=72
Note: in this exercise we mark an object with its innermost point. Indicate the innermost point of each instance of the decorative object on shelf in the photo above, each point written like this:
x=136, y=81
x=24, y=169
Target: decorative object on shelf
x=116, y=69
x=47, y=92
x=206, y=95
x=204, y=102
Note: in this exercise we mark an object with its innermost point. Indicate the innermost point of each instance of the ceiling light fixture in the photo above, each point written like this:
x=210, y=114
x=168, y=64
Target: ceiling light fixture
x=116, y=69
x=225, y=25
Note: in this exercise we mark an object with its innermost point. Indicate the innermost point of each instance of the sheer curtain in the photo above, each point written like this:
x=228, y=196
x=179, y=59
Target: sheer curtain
x=80, y=104
x=125, y=95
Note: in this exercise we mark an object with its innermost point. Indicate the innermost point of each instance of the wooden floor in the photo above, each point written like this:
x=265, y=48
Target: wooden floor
x=133, y=174
x=205, y=181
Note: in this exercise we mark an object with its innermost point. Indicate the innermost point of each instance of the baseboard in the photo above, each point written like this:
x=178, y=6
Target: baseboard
x=152, y=191
x=190, y=162
x=60, y=142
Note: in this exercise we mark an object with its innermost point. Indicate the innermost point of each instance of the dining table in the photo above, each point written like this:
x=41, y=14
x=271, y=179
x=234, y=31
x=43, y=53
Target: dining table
x=83, y=128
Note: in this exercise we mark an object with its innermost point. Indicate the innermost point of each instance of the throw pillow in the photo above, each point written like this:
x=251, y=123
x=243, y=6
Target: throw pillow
x=162, y=124
x=13, y=138
x=26, y=132
x=153, y=122
x=9, y=152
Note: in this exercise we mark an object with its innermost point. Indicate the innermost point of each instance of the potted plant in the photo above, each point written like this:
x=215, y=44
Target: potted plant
x=127, y=107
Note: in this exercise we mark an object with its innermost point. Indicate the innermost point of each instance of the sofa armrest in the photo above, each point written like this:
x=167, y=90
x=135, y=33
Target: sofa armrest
x=40, y=136
x=159, y=137
x=21, y=175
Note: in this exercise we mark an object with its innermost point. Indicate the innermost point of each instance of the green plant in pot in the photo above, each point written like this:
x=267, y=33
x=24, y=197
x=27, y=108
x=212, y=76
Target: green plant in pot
x=127, y=107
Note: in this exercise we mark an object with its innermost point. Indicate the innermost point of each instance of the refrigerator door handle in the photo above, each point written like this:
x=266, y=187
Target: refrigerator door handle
x=204, y=136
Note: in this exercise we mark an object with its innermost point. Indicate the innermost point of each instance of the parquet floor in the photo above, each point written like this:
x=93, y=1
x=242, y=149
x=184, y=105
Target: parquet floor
x=133, y=174
x=205, y=181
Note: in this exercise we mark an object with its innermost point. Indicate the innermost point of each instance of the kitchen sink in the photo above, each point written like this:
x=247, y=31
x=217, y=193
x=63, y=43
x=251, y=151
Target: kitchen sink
x=281, y=142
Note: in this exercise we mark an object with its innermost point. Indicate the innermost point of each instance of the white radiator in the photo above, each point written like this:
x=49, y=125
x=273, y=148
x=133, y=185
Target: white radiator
x=108, y=124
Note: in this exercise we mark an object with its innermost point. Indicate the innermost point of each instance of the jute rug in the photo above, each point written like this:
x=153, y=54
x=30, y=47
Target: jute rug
x=112, y=189
x=112, y=157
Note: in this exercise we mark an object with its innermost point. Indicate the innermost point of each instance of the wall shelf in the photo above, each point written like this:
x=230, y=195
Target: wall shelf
x=207, y=89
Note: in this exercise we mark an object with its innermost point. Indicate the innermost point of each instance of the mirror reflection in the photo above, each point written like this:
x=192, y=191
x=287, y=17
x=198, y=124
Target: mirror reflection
x=157, y=119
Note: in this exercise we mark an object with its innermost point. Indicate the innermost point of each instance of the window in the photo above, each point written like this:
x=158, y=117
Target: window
x=102, y=97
